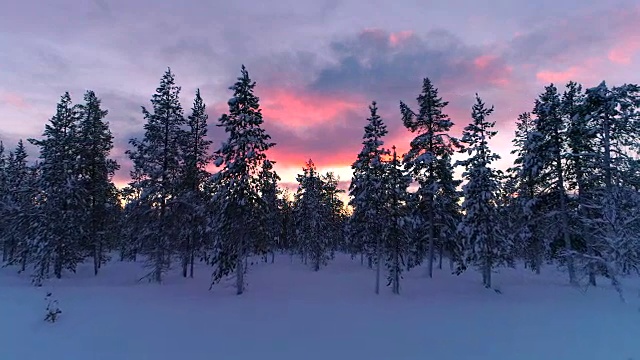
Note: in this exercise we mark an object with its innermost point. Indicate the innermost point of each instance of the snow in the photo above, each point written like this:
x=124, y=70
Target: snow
x=291, y=312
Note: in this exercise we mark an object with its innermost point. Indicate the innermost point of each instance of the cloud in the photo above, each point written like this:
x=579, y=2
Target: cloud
x=387, y=65
x=302, y=110
x=14, y=100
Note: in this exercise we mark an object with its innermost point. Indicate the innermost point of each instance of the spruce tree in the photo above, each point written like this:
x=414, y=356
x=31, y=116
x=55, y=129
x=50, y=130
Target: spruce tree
x=485, y=245
x=526, y=207
x=4, y=191
x=311, y=218
x=272, y=217
x=365, y=191
x=549, y=147
x=239, y=204
x=395, y=217
x=448, y=212
x=61, y=224
x=158, y=163
x=193, y=198
x=97, y=170
x=429, y=149
x=16, y=206
x=336, y=220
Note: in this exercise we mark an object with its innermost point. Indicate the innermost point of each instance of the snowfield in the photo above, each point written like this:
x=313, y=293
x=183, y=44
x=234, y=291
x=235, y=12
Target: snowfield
x=290, y=312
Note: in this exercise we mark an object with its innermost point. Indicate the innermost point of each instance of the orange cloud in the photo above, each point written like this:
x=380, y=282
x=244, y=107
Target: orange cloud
x=299, y=109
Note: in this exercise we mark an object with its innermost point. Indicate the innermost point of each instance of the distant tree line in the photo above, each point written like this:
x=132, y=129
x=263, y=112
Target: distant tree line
x=571, y=197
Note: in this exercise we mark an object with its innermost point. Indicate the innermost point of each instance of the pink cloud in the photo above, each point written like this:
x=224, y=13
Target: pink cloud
x=586, y=71
x=398, y=38
x=624, y=52
x=13, y=99
x=298, y=109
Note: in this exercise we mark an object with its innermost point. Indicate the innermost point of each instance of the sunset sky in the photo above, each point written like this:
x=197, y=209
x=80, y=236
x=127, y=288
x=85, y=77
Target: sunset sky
x=318, y=63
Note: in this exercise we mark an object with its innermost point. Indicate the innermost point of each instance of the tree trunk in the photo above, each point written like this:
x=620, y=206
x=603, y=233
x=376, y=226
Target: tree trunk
x=440, y=254
x=240, y=275
x=431, y=238
x=57, y=265
x=185, y=266
x=396, y=275
x=96, y=260
x=5, y=251
x=378, y=263
x=192, y=258
x=100, y=252
x=488, y=276
x=565, y=220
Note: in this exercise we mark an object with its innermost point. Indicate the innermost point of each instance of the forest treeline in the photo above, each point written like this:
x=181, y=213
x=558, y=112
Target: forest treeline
x=571, y=198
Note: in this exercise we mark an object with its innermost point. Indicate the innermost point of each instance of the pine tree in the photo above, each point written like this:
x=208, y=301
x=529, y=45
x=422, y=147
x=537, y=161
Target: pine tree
x=365, y=191
x=311, y=218
x=97, y=170
x=158, y=163
x=286, y=234
x=272, y=216
x=237, y=197
x=336, y=221
x=193, y=198
x=4, y=192
x=429, y=149
x=62, y=216
x=396, y=220
x=549, y=145
x=613, y=113
x=485, y=246
x=16, y=205
x=606, y=131
x=581, y=165
x=526, y=207
x=448, y=212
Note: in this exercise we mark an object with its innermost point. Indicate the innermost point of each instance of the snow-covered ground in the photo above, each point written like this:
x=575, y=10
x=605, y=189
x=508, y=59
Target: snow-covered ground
x=290, y=312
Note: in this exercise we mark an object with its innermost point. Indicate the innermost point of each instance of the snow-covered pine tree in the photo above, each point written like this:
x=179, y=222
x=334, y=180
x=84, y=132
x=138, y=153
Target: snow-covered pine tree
x=238, y=201
x=365, y=227
x=614, y=113
x=311, y=218
x=485, y=245
x=613, y=225
x=16, y=205
x=336, y=221
x=526, y=213
x=606, y=193
x=4, y=192
x=192, y=205
x=62, y=218
x=581, y=165
x=549, y=146
x=448, y=212
x=158, y=163
x=269, y=242
x=97, y=170
x=396, y=218
x=287, y=234
x=428, y=150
